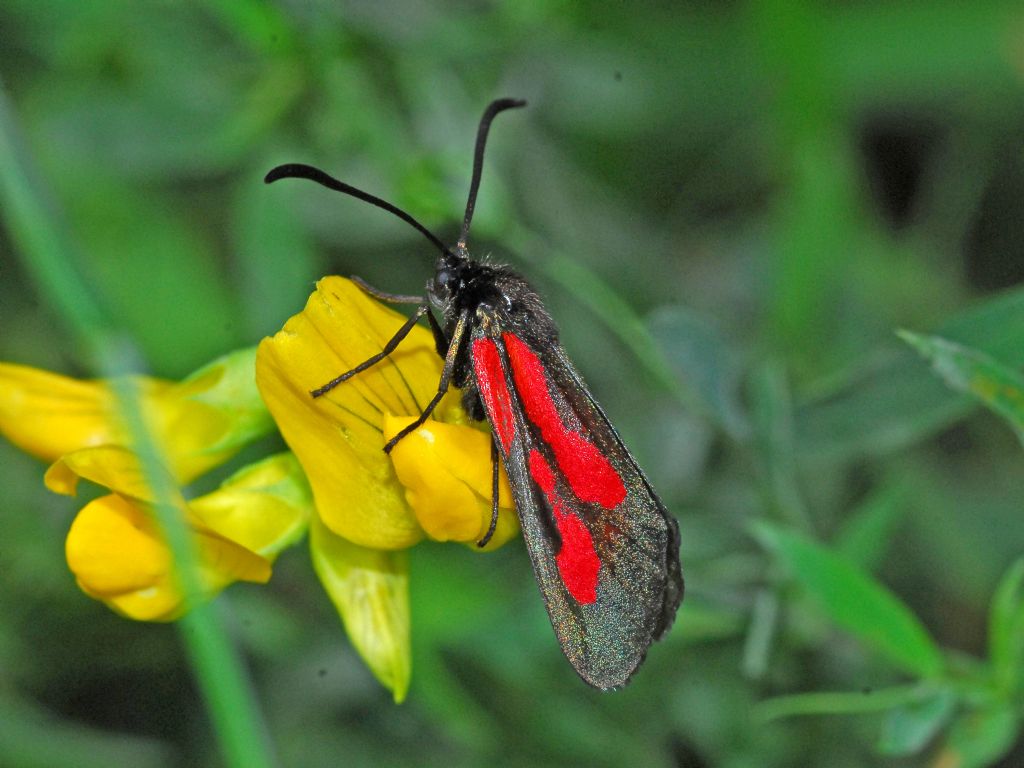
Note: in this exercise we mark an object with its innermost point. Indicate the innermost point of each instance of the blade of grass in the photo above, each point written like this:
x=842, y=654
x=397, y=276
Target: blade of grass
x=867, y=532
x=774, y=445
x=51, y=261
x=757, y=646
x=1006, y=628
x=855, y=601
x=890, y=400
x=842, y=702
x=906, y=730
x=968, y=370
x=47, y=256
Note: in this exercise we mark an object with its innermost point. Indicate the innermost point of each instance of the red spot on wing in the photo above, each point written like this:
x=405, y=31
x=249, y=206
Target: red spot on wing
x=577, y=560
x=541, y=473
x=591, y=476
x=490, y=380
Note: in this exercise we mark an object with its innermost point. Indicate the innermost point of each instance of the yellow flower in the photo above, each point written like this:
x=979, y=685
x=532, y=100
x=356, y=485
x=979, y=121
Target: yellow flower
x=119, y=556
x=114, y=546
x=198, y=423
x=446, y=472
x=436, y=482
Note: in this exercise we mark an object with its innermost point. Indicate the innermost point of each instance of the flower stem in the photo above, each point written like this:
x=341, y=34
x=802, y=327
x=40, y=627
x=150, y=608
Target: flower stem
x=52, y=262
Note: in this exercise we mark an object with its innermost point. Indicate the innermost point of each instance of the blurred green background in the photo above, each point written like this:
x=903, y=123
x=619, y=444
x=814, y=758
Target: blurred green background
x=729, y=207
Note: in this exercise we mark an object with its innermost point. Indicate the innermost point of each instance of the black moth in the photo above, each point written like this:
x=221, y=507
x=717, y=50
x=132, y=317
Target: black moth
x=604, y=549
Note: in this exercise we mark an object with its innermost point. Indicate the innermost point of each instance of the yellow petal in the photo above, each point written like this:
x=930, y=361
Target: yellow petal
x=111, y=466
x=47, y=415
x=222, y=561
x=370, y=589
x=198, y=423
x=119, y=556
x=204, y=420
x=113, y=548
x=246, y=513
x=446, y=470
x=159, y=602
x=265, y=507
x=337, y=438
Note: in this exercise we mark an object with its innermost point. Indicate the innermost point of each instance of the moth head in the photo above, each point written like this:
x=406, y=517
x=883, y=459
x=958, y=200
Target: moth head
x=446, y=280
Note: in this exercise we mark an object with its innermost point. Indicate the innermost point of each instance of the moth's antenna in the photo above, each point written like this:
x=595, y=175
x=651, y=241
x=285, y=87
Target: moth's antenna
x=302, y=171
x=499, y=105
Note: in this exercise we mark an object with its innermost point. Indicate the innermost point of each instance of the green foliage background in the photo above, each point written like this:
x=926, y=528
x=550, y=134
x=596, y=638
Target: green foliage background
x=730, y=208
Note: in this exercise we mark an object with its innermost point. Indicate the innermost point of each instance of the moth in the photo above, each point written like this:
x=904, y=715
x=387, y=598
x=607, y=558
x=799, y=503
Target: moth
x=604, y=549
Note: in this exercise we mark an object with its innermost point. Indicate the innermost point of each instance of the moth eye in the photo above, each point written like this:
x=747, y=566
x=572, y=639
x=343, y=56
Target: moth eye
x=443, y=282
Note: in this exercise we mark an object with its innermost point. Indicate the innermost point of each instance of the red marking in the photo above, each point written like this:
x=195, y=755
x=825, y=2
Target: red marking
x=577, y=560
x=490, y=380
x=591, y=476
x=541, y=473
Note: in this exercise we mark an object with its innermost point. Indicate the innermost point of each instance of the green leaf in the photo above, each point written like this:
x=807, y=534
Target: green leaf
x=855, y=601
x=41, y=239
x=866, y=533
x=975, y=373
x=980, y=737
x=892, y=401
x=907, y=729
x=1006, y=627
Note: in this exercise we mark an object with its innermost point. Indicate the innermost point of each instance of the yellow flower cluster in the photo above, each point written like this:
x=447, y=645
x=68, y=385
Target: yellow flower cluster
x=362, y=507
x=114, y=547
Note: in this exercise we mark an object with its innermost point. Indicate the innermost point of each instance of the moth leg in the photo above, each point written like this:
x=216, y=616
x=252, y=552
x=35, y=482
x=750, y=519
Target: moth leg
x=494, y=495
x=390, y=298
x=395, y=340
x=440, y=340
x=442, y=386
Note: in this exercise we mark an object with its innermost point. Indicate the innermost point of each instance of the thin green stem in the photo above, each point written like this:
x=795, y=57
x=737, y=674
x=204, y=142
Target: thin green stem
x=53, y=264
